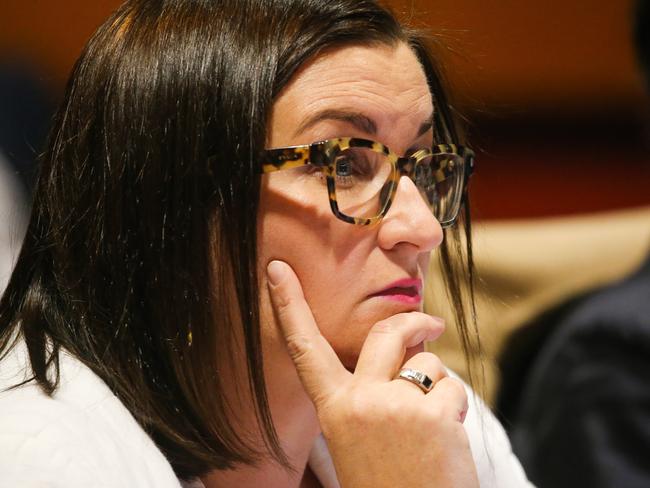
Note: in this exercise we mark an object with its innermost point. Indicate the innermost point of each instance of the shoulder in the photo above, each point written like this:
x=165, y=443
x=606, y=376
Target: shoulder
x=34, y=450
x=596, y=360
x=80, y=436
x=496, y=464
x=609, y=329
x=586, y=394
x=621, y=310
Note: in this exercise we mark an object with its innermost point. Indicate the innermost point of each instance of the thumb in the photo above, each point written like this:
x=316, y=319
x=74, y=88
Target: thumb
x=317, y=364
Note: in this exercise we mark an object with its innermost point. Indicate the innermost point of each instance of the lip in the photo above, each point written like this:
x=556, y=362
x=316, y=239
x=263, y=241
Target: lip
x=407, y=290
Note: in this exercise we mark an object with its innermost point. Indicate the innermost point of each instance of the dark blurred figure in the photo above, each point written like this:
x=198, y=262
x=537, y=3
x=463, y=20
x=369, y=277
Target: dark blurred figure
x=576, y=382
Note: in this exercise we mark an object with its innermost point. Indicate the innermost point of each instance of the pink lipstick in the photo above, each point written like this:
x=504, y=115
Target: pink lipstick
x=407, y=290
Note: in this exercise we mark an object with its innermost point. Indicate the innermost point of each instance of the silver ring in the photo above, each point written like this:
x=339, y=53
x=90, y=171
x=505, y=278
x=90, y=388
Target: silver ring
x=417, y=378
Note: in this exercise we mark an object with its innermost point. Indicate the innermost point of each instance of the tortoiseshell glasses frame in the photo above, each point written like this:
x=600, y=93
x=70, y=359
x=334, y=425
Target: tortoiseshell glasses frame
x=430, y=170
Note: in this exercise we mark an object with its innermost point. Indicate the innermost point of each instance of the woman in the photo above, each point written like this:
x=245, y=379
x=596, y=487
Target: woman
x=163, y=277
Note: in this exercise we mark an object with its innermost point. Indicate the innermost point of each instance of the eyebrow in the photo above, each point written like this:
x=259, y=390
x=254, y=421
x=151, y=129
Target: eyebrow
x=358, y=120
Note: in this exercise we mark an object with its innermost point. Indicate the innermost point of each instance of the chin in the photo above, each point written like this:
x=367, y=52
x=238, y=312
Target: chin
x=347, y=340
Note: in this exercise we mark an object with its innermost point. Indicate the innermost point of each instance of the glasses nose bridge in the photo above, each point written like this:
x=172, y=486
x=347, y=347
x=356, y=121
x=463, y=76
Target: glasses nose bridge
x=406, y=166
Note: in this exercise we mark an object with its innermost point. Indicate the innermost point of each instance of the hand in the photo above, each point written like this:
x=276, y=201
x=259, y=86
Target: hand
x=381, y=431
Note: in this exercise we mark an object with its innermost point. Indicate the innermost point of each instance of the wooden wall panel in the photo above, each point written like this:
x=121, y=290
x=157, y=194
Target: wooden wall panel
x=503, y=54
x=50, y=34
x=516, y=53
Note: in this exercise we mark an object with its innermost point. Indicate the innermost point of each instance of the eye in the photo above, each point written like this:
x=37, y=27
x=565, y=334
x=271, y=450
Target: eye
x=355, y=162
x=343, y=166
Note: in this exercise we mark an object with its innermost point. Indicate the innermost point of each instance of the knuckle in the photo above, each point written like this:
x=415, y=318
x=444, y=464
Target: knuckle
x=422, y=318
x=456, y=387
x=396, y=412
x=437, y=366
x=357, y=409
x=383, y=327
x=435, y=324
x=403, y=322
x=282, y=301
x=428, y=363
x=427, y=357
x=439, y=324
x=298, y=347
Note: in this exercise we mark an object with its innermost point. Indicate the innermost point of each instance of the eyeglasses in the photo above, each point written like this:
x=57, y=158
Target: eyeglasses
x=362, y=176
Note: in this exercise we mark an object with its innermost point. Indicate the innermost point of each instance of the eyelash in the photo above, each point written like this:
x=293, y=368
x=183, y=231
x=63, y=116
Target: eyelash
x=315, y=172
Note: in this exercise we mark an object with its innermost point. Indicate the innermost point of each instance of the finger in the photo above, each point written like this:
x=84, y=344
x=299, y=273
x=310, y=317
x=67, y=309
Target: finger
x=450, y=396
x=317, y=364
x=383, y=351
x=427, y=363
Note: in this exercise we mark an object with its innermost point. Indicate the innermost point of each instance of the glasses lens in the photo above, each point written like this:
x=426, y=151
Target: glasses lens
x=363, y=182
x=440, y=179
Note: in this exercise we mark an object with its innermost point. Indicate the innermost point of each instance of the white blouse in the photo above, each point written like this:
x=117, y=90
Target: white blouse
x=84, y=437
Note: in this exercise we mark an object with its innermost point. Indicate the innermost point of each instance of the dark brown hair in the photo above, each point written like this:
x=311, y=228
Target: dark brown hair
x=140, y=258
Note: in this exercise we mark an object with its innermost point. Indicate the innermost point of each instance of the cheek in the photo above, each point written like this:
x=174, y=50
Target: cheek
x=291, y=228
x=329, y=258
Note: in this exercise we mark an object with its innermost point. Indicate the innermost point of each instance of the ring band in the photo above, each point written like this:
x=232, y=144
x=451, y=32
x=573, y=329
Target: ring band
x=417, y=378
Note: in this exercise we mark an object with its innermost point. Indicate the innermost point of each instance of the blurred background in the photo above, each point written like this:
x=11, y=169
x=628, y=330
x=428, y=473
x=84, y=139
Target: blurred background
x=556, y=110
x=551, y=90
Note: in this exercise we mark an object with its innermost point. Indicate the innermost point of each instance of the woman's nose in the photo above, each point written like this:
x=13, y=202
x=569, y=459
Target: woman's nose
x=410, y=220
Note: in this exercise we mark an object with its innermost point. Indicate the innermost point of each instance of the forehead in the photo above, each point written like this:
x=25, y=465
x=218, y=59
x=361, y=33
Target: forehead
x=385, y=83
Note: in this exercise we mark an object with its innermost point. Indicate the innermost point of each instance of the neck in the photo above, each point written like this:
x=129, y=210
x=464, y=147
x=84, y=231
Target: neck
x=297, y=427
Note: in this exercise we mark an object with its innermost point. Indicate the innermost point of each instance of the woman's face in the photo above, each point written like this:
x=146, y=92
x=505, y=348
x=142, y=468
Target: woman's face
x=352, y=276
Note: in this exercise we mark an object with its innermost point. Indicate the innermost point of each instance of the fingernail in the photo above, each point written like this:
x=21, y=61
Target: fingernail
x=275, y=272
